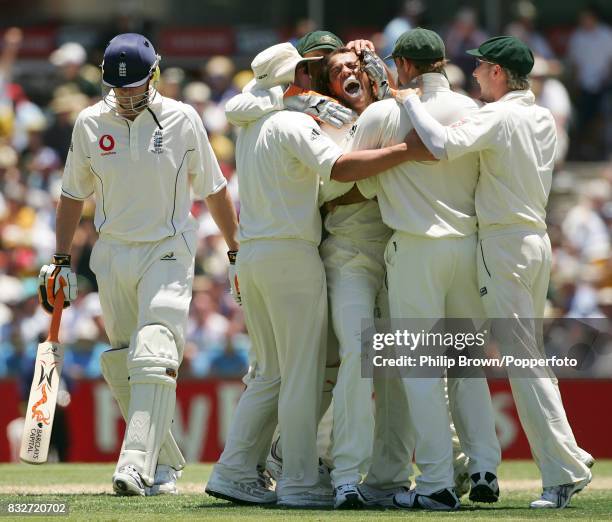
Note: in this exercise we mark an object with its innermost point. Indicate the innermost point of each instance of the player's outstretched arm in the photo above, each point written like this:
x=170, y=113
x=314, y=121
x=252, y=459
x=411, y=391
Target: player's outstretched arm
x=361, y=164
x=222, y=210
x=431, y=131
x=249, y=106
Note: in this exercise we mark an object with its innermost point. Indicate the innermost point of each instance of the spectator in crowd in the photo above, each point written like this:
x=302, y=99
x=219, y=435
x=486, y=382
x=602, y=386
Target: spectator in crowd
x=583, y=226
x=408, y=18
x=69, y=58
x=232, y=360
x=523, y=27
x=553, y=95
x=171, y=83
x=218, y=74
x=589, y=55
x=65, y=107
x=464, y=34
x=197, y=94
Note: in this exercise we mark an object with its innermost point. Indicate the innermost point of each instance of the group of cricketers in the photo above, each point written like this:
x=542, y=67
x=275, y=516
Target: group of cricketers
x=358, y=200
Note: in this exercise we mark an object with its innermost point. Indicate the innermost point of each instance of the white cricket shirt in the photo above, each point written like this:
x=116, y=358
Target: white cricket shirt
x=516, y=140
x=280, y=159
x=432, y=199
x=141, y=172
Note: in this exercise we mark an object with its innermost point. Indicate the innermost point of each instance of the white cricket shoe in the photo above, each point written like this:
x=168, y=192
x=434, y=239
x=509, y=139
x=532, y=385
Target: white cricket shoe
x=316, y=497
x=239, y=492
x=558, y=497
x=484, y=487
x=443, y=500
x=165, y=481
x=379, y=497
x=347, y=496
x=128, y=482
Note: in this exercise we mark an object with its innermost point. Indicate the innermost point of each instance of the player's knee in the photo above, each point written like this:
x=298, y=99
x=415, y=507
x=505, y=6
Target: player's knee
x=154, y=356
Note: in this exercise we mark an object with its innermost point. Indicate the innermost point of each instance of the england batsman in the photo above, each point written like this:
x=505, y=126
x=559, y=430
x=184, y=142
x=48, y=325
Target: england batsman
x=141, y=154
x=515, y=140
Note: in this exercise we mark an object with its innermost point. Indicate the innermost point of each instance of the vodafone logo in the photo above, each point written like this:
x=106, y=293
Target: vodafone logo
x=107, y=144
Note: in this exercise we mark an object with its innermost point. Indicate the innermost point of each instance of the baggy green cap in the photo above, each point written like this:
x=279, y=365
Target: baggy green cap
x=317, y=40
x=507, y=51
x=418, y=44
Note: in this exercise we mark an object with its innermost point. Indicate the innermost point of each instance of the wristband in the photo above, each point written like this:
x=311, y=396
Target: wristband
x=61, y=259
x=231, y=255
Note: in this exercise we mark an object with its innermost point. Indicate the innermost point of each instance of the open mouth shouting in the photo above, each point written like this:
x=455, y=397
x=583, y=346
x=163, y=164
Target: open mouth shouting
x=352, y=87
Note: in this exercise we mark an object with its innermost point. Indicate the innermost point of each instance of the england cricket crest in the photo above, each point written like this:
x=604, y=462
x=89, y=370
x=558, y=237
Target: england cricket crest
x=157, y=143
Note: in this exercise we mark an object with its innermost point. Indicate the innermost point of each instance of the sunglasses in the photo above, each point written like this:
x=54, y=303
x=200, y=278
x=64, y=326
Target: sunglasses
x=479, y=62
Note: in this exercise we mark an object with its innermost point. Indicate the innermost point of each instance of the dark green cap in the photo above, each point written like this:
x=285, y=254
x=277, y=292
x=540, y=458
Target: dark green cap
x=418, y=44
x=507, y=51
x=317, y=40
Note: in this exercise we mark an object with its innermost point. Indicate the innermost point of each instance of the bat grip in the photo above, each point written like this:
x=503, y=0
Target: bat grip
x=56, y=318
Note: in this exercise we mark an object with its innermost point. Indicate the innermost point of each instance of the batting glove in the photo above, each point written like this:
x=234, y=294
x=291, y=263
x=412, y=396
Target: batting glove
x=376, y=71
x=233, y=277
x=320, y=107
x=49, y=282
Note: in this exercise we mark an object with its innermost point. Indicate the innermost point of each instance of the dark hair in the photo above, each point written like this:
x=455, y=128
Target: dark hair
x=320, y=81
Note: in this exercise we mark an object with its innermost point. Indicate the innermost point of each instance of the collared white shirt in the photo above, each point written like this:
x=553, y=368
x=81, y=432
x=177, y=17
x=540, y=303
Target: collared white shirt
x=516, y=140
x=141, y=171
x=432, y=199
x=280, y=160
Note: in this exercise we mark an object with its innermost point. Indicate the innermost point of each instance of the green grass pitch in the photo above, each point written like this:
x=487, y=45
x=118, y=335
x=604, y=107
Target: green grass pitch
x=86, y=488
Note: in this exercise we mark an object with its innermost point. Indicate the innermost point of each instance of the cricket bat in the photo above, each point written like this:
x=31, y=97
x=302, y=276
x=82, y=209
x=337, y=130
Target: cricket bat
x=43, y=392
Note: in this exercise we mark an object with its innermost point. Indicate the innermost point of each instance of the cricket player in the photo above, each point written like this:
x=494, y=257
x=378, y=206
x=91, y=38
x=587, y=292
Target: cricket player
x=431, y=273
x=515, y=140
x=280, y=159
x=353, y=258
x=140, y=154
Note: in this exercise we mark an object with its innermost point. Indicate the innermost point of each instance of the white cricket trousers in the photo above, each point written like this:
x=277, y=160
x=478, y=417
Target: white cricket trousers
x=138, y=288
x=432, y=278
x=355, y=273
x=147, y=287
x=284, y=298
x=513, y=274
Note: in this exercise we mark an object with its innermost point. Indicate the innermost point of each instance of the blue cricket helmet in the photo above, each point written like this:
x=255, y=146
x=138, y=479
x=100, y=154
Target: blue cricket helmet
x=129, y=61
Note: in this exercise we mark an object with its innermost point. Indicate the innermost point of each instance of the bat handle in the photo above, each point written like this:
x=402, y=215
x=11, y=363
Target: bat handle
x=56, y=318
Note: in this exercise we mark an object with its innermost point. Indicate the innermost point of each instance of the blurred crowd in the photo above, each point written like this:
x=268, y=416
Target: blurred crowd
x=34, y=138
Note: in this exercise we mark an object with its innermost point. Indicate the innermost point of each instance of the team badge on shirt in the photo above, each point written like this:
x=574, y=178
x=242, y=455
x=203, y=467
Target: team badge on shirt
x=157, y=143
